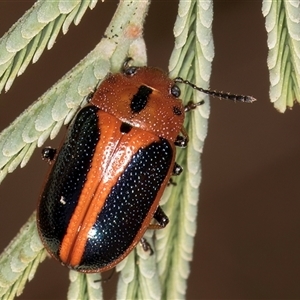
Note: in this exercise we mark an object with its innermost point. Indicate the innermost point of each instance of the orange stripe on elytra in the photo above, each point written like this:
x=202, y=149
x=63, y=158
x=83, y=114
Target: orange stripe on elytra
x=113, y=153
x=109, y=129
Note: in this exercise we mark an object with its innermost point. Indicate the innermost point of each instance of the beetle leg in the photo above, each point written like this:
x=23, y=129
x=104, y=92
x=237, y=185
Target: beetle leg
x=191, y=105
x=90, y=96
x=177, y=169
x=48, y=154
x=171, y=182
x=162, y=222
x=161, y=218
x=146, y=246
x=182, y=140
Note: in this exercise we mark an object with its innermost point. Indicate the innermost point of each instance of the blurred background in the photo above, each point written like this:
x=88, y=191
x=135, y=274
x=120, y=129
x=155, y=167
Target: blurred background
x=248, y=243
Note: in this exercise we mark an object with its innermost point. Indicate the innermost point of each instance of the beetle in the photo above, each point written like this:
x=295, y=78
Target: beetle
x=118, y=156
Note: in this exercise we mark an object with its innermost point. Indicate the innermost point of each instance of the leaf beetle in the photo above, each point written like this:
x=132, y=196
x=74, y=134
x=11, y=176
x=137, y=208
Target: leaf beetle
x=106, y=181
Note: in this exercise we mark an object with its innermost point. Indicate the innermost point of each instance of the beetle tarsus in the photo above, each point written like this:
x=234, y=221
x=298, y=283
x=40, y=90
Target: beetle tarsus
x=146, y=246
x=171, y=182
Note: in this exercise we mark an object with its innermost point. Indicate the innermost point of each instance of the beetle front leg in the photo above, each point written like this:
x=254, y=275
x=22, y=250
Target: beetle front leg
x=182, y=140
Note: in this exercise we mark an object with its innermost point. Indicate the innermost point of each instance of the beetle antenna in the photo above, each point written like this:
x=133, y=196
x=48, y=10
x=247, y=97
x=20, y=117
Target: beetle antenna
x=221, y=95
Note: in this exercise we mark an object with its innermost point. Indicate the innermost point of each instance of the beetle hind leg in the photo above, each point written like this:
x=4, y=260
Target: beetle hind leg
x=161, y=219
x=182, y=140
x=146, y=246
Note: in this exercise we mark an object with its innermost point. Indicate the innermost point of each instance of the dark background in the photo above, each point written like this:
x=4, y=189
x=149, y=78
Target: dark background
x=247, y=244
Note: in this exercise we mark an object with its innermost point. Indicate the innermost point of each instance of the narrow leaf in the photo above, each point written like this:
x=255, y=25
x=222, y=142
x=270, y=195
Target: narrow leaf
x=283, y=28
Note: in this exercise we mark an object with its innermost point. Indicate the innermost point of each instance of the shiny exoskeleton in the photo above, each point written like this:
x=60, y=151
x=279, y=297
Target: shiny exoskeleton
x=104, y=187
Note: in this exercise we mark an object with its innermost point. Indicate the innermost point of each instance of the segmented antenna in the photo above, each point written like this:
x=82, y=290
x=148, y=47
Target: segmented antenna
x=221, y=95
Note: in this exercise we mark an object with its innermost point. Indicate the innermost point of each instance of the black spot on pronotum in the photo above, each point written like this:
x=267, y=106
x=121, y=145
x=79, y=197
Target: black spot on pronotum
x=140, y=99
x=177, y=111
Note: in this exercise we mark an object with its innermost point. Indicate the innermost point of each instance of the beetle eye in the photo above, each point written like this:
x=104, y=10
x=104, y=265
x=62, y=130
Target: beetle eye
x=175, y=91
x=130, y=71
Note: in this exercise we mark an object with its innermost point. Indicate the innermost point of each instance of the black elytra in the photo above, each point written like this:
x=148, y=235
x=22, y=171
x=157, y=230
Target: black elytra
x=134, y=194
